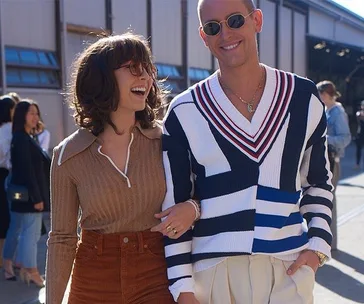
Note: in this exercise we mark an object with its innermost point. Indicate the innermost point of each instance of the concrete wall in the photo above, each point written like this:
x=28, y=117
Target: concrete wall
x=89, y=13
x=333, y=28
x=29, y=23
x=198, y=54
x=167, y=31
x=133, y=17
x=268, y=35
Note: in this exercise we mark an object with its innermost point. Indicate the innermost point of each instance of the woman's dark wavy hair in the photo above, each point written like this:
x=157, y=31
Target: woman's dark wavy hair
x=6, y=105
x=94, y=92
x=21, y=110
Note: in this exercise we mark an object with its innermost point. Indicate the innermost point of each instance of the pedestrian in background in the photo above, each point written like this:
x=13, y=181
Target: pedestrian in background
x=338, y=137
x=111, y=169
x=359, y=139
x=7, y=106
x=28, y=193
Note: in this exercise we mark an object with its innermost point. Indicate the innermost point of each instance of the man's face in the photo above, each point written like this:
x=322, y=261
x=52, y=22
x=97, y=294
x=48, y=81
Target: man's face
x=232, y=47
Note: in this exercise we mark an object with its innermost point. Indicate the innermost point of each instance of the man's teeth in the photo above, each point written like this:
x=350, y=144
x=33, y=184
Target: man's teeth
x=230, y=47
x=139, y=89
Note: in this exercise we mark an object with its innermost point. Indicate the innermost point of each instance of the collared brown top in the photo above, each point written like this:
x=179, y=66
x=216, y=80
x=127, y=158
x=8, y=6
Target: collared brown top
x=110, y=202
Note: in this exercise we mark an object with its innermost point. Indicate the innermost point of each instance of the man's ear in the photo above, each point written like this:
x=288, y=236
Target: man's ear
x=203, y=36
x=258, y=20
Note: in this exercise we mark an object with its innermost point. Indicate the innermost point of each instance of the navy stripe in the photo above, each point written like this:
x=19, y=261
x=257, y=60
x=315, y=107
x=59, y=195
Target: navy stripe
x=321, y=233
x=276, y=246
x=277, y=195
x=172, y=281
x=239, y=221
x=313, y=200
x=310, y=215
x=225, y=183
x=187, y=236
x=177, y=150
x=276, y=221
x=179, y=259
x=296, y=133
x=211, y=255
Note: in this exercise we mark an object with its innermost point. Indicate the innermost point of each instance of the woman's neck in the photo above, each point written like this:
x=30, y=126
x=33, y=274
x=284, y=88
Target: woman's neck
x=331, y=103
x=122, y=123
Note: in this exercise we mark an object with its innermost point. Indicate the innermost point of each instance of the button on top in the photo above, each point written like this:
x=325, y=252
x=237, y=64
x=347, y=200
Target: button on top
x=126, y=240
x=145, y=246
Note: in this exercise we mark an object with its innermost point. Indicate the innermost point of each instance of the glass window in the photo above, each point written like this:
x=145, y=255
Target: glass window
x=43, y=58
x=29, y=67
x=12, y=76
x=52, y=58
x=29, y=57
x=11, y=55
x=29, y=76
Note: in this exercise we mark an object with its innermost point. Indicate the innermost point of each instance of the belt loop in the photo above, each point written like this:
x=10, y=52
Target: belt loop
x=99, y=244
x=140, y=242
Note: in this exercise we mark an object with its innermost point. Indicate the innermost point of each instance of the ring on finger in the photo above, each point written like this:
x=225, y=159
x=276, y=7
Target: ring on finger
x=174, y=231
x=169, y=228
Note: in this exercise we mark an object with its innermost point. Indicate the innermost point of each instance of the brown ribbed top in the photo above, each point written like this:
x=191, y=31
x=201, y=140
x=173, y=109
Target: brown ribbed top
x=81, y=177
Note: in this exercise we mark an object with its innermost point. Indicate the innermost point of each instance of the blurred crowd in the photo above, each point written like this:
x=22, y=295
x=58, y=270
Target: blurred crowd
x=24, y=186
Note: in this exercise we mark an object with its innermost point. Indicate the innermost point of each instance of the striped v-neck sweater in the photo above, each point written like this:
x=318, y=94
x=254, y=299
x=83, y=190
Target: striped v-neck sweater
x=264, y=185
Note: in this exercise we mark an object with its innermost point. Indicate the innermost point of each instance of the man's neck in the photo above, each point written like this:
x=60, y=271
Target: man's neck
x=241, y=78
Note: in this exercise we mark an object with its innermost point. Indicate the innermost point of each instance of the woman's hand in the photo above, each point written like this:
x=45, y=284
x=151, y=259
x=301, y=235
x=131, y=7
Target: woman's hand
x=179, y=219
x=39, y=206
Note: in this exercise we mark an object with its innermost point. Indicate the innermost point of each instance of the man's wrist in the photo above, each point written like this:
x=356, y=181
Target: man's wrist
x=321, y=256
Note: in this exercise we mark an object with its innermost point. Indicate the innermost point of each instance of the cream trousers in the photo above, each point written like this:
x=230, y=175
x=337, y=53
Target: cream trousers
x=255, y=279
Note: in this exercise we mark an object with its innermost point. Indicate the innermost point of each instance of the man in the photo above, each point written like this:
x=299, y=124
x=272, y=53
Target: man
x=248, y=142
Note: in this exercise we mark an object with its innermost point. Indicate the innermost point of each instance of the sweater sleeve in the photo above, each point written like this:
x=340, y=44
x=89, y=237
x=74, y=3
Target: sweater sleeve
x=177, y=166
x=63, y=237
x=316, y=201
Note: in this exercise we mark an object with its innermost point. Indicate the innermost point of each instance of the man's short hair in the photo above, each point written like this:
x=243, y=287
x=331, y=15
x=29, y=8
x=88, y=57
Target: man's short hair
x=249, y=4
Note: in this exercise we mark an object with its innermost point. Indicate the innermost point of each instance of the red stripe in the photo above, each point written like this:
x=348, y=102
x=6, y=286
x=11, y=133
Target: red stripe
x=226, y=125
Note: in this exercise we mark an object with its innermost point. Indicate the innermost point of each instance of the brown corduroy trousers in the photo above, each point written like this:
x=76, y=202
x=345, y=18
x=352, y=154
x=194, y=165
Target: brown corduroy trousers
x=126, y=268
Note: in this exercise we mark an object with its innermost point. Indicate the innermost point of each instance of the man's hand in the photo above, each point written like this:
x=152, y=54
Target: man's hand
x=179, y=219
x=187, y=298
x=307, y=257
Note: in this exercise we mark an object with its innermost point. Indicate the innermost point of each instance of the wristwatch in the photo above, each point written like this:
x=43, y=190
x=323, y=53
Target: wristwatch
x=322, y=257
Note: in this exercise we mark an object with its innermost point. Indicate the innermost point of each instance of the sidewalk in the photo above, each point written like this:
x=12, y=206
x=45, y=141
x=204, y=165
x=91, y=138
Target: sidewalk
x=340, y=281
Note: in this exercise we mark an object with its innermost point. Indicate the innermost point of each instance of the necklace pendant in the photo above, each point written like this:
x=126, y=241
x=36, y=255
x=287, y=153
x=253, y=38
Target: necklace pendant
x=250, y=108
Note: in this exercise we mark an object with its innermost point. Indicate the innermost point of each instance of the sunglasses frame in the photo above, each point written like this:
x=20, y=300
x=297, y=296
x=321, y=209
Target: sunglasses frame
x=226, y=22
x=129, y=66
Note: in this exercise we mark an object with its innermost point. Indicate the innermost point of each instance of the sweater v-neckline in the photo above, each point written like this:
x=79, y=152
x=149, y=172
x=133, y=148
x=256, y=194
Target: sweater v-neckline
x=254, y=137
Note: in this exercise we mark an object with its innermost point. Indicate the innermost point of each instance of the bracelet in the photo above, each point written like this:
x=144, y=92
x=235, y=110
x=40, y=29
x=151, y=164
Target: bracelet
x=197, y=208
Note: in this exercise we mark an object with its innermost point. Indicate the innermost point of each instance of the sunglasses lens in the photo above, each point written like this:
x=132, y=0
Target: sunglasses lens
x=236, y=21
x=136, y=69
x=211, y=28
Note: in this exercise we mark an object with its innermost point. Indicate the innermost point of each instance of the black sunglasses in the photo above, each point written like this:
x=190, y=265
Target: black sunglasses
x=234, y=21
x=137, y=69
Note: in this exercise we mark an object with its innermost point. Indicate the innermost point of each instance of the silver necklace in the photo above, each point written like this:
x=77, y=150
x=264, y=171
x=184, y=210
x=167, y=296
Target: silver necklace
x=249, y=105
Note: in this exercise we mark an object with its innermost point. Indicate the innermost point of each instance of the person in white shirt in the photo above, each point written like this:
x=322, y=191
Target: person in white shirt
x=7, y=106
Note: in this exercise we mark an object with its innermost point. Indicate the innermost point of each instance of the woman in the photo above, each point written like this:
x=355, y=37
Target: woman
x=111, y=169
x=29, y=164
x=359, y=140
x=338, y=137
x=7, y=106
x=338, y=132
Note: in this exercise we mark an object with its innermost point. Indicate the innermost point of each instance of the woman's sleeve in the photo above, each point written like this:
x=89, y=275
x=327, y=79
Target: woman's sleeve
x=63, y=237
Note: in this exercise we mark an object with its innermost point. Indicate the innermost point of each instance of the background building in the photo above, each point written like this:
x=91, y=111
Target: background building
x=39, y=40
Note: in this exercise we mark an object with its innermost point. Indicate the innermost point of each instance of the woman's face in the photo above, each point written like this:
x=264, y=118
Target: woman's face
x=134, y=84
x=32, y=118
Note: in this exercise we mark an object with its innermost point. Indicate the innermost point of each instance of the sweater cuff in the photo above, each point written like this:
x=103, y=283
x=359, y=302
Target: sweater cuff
x=182, y=285
x=318, y=244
